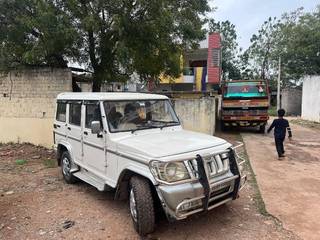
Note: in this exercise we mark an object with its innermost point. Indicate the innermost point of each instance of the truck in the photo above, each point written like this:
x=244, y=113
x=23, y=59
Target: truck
x=133, y=144
x=245, y=103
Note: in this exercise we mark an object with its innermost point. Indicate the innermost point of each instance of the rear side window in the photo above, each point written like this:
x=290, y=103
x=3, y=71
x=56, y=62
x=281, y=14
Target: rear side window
x=92, y=114
x=75, y=114
x=61, y=112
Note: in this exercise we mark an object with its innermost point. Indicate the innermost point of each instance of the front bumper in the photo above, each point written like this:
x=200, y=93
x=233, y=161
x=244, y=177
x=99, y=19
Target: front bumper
x=182, y=200
x=244, y=121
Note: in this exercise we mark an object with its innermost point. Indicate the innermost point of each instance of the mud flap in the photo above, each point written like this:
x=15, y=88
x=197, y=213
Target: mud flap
x=204, y=182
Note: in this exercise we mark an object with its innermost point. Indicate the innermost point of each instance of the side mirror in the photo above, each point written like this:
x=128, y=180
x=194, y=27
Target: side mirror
x=95, y=127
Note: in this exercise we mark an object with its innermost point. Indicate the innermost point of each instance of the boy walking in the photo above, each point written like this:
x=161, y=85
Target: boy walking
x=280, y=126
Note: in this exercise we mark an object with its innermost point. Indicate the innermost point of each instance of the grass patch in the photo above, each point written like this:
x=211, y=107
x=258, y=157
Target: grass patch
x=306, y=123
x=50, y=163
x=21, y=161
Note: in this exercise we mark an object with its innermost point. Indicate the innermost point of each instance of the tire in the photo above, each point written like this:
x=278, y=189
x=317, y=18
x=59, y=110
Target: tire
x=223, y=127
x=66, y=167
x=262, y=128
x=141, y=205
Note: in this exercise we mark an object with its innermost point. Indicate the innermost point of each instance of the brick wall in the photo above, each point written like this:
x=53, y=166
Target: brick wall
x=32, y=93
x=214, y=42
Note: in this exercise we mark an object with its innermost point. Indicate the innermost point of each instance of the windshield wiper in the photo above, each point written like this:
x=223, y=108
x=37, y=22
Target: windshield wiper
x=160, y=121
x=168, y=124
x=144, y=127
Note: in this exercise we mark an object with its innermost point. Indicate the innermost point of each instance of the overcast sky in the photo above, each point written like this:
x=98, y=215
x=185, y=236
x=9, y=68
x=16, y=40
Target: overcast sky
x=249, y=15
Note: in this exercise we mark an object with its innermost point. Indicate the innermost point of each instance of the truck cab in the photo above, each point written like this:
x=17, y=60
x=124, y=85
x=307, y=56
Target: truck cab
x=134, y=144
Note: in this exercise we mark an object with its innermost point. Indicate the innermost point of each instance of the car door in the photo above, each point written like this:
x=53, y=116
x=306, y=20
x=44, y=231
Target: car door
x=60, y=124
x=74, y=131
x=93, y=144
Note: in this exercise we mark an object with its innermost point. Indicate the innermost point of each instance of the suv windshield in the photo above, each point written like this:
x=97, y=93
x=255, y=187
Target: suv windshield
x=139, y=114
x=245, y=89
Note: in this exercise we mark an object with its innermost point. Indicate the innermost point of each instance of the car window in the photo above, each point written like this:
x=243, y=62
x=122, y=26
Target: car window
x=61, y=112
x=92, y=114
x=139, y=114
x=75, y=114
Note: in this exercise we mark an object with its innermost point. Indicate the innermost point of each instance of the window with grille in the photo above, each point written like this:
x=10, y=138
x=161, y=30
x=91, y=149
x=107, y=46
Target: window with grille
x=216, y=57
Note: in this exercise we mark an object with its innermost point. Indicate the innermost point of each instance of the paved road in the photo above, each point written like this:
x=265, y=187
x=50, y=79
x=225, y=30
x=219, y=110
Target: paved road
x=290, y=188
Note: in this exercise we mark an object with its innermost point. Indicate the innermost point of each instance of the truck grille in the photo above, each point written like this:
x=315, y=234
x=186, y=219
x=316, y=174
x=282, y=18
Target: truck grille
x=215, y=165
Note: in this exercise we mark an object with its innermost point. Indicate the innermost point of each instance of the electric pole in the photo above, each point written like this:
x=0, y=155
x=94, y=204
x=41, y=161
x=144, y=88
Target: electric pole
x=278, y=88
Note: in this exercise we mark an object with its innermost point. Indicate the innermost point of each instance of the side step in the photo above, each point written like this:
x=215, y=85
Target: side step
x=92, y=180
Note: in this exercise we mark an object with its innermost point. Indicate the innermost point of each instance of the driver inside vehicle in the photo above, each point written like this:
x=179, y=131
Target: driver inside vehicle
x=133, y=116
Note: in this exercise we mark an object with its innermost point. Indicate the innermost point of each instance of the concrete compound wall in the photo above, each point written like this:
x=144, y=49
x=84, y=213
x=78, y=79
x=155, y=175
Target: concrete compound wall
x=197, y=114
x=311, y=98
x=291, y=99
x=27, y=104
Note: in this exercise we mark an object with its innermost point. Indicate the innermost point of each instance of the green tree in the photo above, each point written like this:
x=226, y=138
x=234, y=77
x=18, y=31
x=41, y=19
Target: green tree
x=295, y=38
x=262, y=49
x=113, y=39
x=229, y=51
x=300, y=44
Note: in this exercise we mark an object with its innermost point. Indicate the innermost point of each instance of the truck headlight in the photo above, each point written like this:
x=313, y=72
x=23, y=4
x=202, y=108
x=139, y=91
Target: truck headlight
x=169, y=172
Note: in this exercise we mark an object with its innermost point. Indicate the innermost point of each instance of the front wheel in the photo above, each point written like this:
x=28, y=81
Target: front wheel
x=141, y=205
x=262, y=128
x=66, y=164
x=223, y=127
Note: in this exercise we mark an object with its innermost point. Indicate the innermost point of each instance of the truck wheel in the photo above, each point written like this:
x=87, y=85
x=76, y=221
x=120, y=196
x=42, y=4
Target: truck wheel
x=66, y=168
x=141, y=205
x=262, y=128
x=223, y=128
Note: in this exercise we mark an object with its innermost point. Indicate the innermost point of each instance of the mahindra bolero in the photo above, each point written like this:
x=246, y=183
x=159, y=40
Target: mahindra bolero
x=134, y=144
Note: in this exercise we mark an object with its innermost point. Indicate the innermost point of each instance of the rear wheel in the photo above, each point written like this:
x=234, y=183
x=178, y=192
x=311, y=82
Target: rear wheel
x=66, y=164
x=141, y=205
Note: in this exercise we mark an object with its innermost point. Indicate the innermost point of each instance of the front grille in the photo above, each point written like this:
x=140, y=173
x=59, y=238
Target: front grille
x=215, y=165
x=221, y=191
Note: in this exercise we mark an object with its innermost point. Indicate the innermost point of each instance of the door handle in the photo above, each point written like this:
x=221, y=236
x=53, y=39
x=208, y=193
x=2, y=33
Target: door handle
x=69, y=128
x=56, y=126
x=85, y=133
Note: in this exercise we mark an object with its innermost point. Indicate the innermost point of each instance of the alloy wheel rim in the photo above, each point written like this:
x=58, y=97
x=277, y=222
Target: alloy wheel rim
x=66, y=166
x=133, y=206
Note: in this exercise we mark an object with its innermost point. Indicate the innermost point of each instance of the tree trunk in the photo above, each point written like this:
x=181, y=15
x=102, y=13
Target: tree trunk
x=98, y=79
x=96, y=85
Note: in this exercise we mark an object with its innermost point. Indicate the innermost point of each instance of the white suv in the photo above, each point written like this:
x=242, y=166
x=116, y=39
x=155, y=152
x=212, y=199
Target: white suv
x=134, y=143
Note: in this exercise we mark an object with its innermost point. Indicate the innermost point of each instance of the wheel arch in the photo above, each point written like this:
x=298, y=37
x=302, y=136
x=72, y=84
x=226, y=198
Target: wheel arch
x=124, y=178
x=62, y=147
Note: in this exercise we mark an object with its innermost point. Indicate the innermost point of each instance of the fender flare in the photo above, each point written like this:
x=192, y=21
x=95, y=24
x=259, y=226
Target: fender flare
x=125, y=175
x=67, y=146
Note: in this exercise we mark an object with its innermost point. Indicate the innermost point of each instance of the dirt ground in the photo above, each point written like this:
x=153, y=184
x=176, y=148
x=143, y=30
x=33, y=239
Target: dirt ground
x=35, y=203
x=290, y=188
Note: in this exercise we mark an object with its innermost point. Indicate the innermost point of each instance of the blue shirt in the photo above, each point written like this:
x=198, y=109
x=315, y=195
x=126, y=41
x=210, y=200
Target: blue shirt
x=280, y=126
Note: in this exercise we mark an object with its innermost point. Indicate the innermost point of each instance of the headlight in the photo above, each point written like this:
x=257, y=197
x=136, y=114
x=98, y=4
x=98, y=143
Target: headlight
x=169, y=172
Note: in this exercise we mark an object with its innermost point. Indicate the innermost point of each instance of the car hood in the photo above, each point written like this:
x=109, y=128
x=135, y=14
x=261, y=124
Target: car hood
x=167, y=143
